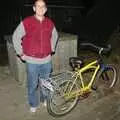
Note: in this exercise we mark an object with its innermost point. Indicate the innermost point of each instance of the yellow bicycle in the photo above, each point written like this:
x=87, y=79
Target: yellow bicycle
x=81, y=81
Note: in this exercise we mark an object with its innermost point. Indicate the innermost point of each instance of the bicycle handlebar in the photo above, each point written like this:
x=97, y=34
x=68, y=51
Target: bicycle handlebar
x=100, y=48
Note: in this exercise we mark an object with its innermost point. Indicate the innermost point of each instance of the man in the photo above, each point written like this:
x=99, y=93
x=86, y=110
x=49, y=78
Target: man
x=34, y=40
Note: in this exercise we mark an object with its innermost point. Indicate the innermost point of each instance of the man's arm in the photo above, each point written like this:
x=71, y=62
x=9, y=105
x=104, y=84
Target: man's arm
x=17, y=39
x=54, y=39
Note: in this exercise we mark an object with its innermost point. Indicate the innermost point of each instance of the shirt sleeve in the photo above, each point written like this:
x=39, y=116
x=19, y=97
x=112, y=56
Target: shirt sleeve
x=17, y=36
x=54, y=39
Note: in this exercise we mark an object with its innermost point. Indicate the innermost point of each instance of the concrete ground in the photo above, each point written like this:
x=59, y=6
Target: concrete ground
x=13, y=103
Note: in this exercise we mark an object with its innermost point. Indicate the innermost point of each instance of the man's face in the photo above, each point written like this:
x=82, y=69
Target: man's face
x=40, y=8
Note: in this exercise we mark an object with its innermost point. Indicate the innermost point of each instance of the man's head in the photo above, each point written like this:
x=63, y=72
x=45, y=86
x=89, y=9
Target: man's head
x=40, y=8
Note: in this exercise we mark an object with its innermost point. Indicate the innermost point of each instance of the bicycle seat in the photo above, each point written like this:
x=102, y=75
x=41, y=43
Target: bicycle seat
x=75, y=62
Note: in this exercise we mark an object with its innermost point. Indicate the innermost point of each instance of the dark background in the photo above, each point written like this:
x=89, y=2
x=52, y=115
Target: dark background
x=91, y=20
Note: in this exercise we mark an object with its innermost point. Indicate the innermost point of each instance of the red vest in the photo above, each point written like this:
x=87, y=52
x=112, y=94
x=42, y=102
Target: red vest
x=37, y=41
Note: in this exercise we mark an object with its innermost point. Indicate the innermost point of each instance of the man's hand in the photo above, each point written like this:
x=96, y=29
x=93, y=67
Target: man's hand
x=53, y=53
x=22, y=57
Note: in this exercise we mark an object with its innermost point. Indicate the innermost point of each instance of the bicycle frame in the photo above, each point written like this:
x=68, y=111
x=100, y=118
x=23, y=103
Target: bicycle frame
x=77, y=75
x=85, y=68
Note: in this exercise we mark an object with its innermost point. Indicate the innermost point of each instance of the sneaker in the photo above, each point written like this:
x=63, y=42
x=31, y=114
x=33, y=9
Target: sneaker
x=33, y=109
x=45, y=103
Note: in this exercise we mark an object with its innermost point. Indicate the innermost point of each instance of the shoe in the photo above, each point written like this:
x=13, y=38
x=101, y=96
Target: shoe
x=33, y=109
x=45, y=103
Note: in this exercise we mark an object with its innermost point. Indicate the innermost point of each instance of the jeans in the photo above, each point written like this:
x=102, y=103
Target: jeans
x=36, y=73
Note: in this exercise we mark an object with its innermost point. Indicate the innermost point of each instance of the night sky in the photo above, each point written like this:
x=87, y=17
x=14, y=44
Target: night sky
x=97, y=20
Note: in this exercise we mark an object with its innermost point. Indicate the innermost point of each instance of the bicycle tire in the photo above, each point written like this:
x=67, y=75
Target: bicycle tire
x=57, y=110
x=109, y=76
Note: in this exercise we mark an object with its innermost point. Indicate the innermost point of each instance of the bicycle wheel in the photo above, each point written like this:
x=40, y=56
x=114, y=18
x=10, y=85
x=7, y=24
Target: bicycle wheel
x=57, y=104
x=109, y=76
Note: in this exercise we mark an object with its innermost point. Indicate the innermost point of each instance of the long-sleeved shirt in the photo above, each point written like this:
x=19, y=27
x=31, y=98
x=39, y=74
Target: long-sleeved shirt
x=18, y=35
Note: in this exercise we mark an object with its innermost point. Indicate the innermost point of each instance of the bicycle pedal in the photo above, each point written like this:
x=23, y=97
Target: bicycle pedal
x=48, y=85
x=85, y=95
x=94, y=87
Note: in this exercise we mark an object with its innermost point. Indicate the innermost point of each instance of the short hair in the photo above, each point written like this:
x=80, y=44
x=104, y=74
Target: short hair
x=34, y=1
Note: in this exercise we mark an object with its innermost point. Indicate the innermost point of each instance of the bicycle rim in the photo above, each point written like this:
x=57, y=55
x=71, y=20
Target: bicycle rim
x=57, y=103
